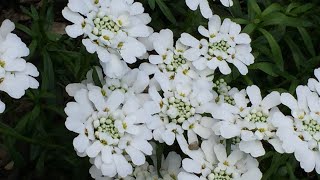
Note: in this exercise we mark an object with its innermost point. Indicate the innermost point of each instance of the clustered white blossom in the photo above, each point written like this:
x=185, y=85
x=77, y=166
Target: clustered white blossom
x=176, y=100
x=204, y=6
x=300, y=132
x=113, y=28
x=223, y=43
x=16, y=75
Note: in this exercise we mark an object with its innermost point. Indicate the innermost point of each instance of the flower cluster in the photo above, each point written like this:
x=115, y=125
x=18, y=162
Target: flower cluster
x=115, y=29
x=175, y=100
x=300, y=132
x=223, y=43
x=204, y=6
x=16, y=75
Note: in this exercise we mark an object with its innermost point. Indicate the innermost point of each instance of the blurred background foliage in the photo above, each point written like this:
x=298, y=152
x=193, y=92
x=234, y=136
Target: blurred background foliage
x=34, y=144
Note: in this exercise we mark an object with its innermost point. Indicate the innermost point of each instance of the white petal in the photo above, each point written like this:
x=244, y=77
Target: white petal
x=255, y=148
x=271, y=100
x=205, y=9
x=189, y=40
x=254, y=95
x=136, y=156
x=191, y=166
x=187, y=176
x=94, y=149
x=81, y=143
x=123, y=167
x=116, y=98
x=220, y=152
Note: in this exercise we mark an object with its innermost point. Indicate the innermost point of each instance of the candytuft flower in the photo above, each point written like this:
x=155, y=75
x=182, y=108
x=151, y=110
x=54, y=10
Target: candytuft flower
x=212, y=162
x=204, y=6
x=300, y=132
x=109, y=126
x=224, y=43
x=16, y=75
x=109, y=27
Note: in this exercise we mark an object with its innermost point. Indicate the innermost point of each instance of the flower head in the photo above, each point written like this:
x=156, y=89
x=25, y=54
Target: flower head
x=108, y=126
x=212, y=162
x=109, y=27
x=300, y=132
x=16, y=75
x=223, y=44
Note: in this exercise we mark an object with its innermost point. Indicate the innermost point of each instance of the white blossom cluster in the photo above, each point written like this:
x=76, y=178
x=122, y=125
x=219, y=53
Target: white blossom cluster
x=114, y=29
x=174, y=99
x=204, y=6
x=16, y=75
x=300, y=131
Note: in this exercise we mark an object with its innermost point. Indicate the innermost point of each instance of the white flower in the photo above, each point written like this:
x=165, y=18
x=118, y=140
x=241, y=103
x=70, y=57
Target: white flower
x=252, y=123
x=109, y=27
x=178, y=110
x=212, y=162
x=109, y=126
x=227, y=3
x=301, y=133
x=224, y=44
x=16, y=75
x=169, y=59
x=204, y=6
x=314, y=84
x=169, y=170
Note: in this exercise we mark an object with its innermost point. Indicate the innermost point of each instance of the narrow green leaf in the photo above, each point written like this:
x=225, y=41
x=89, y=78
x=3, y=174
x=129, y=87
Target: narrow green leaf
x=26, y=11
x=253, y=5
x=307, y=40
x=275, y=49
x=166, y=11
x=34, y=12
x=249, y=28
x=48, y=81
x=272, y=8
x=266, y=67
x=33, y=47
x=236, y=9
x=302, y=9
x=159, y=153
x=152, y=4
x=278, y=18
x=297, y=55
x=24, y=28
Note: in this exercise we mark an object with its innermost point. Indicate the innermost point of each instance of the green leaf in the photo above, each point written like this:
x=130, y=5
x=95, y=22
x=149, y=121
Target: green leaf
x=253, y=7
x=272, y=8
x=266, y=67
x=166, y=11
x=26, y=11
x=249, y=28
x=152, y=4
x=302, y=9
x=159, y=153
x=23, y=123
x=278, y=18
x=24, y=28
x=275, y=49
x=34, y=12
x=297, y=55
x=236, y=8
x=32, y=48
x=307, y=40
x=48, y=81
